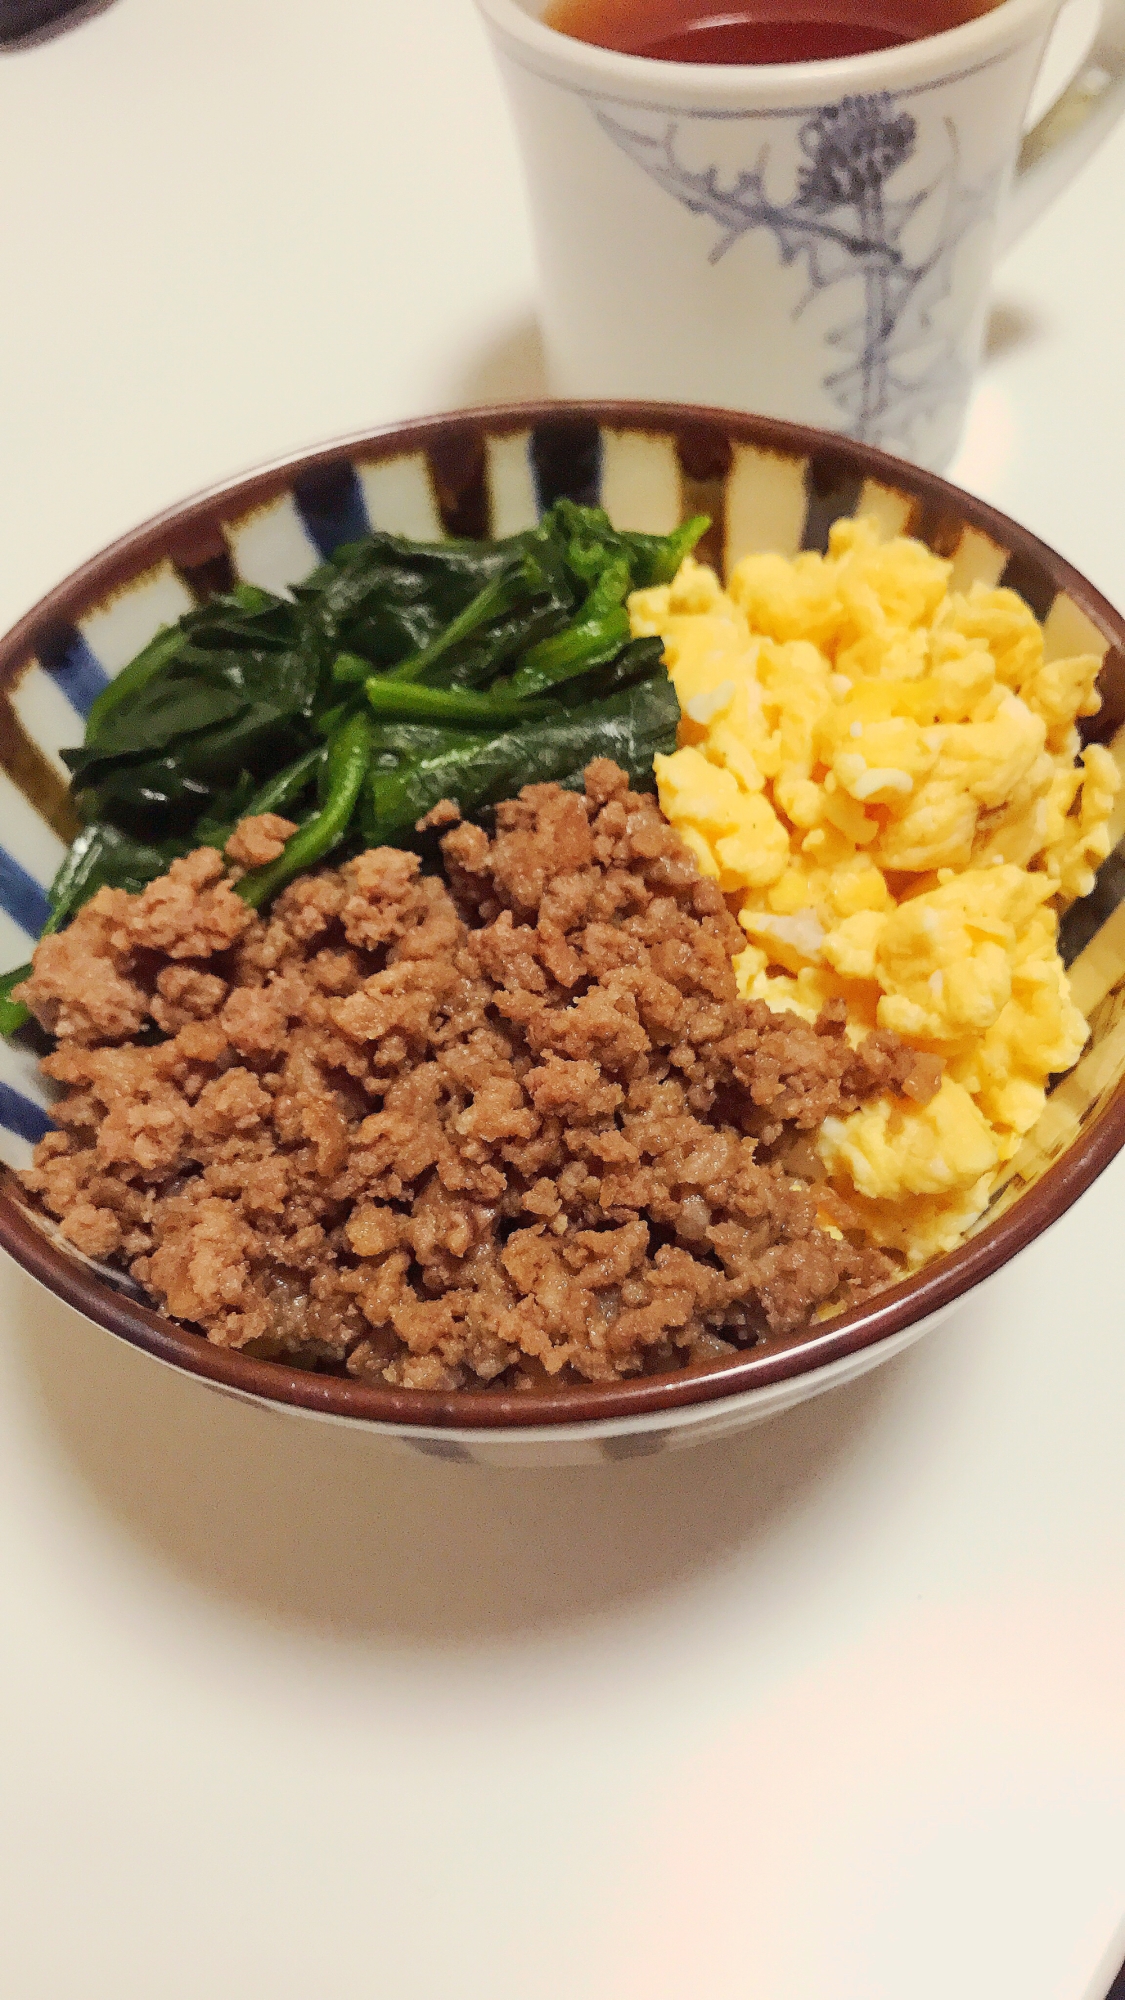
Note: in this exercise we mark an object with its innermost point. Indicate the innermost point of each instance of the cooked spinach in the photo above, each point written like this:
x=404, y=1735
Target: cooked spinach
x=478, y=770
x=13, y=1015
x=349, y=751
x=397, y=674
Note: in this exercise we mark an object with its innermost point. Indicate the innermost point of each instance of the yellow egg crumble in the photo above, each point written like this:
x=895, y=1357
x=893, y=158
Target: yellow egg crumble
x=885, y=779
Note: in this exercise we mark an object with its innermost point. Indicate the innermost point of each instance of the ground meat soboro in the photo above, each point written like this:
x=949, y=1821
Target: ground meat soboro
x=507, y=1127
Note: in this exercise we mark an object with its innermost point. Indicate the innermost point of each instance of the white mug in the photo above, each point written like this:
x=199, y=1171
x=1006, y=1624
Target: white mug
x=809, y=240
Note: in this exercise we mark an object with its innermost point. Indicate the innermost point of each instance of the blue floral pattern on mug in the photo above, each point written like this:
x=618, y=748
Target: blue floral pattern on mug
x=896, y=251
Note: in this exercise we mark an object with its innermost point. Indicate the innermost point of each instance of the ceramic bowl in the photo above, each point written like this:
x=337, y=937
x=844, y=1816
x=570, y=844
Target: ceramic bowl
x=766, y=486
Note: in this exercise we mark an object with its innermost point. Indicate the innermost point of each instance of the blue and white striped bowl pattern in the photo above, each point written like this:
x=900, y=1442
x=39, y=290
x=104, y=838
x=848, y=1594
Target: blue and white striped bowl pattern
x=765, y=486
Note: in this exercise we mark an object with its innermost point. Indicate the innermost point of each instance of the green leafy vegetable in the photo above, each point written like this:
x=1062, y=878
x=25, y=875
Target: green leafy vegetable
x=596, y=636
x=411, y=701
x=523, y=580
x=129, y=682
x=104, y=857
x=13, y=1015
x=282, y=794
x=479, y=770
x=348, y=754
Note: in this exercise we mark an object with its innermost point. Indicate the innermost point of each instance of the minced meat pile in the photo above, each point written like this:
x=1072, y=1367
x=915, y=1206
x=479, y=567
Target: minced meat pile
x=503, y=1127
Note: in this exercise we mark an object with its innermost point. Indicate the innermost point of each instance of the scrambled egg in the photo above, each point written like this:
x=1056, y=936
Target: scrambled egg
x=886, y=781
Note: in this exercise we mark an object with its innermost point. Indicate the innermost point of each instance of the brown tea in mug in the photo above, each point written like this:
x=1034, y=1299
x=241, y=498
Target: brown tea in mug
x=759, y=31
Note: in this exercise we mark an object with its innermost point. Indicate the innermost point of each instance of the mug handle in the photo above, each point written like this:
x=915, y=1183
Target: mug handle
x=1067, y=134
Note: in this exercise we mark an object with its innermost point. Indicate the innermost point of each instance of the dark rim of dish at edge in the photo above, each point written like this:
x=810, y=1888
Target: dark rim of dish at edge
x=190, y=534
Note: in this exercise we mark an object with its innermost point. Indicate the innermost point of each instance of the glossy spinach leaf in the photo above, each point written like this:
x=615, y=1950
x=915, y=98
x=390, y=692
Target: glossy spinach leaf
x=478, y=770
x=104, y=857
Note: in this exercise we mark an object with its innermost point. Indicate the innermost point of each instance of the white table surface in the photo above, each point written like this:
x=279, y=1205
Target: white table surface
x=831, y=1712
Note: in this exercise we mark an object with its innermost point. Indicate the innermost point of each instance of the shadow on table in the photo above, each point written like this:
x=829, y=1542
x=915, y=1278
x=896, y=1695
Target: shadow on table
x=508, y=369
x=512, y=367
x=26, y=24
x=1010, y=326
x=307, y=1524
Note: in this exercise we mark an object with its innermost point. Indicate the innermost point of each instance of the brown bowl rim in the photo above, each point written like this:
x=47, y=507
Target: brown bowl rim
x=938, y=1286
